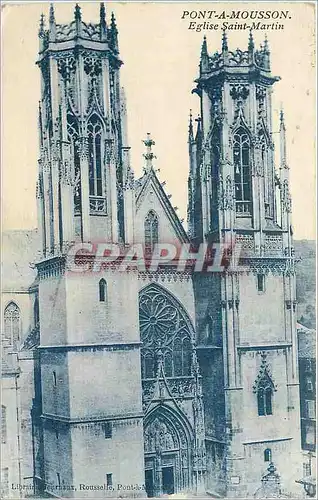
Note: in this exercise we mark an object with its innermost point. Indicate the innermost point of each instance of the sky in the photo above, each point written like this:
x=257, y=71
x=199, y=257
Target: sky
x=161, y=57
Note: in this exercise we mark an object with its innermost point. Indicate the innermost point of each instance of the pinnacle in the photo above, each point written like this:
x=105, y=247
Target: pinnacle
x=190, y=125
x=102, y=9
x=102, y=21
x=52, y=15
x=77, y=12
x=42, y=24
x=204, y=48
x=149, y=156
x=113, y=21
x=266, y=46
x=282, y=119
x=224, y=42
x=250, y=41
x=198, y=132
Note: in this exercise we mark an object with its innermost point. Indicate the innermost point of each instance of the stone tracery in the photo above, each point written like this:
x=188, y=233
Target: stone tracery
x=165, y=327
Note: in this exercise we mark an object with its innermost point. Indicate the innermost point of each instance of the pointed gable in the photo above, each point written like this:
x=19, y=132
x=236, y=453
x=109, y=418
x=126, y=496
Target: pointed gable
x=150, y=196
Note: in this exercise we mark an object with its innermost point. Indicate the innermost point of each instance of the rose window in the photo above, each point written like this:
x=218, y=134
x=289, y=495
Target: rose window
x=166, y=332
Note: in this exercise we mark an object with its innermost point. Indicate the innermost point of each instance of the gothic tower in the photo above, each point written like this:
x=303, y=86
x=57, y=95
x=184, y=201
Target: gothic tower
x=92, y=426
x=245, y=316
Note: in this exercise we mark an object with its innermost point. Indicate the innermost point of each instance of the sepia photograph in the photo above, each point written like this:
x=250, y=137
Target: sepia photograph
x=158, y=244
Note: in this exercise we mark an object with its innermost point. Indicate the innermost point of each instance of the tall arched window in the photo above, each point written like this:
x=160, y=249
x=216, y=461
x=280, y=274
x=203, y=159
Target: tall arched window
x=215, y=161
x=215, y=167
x=73, y=137
x=95, y=156
x=12, y=324
x=102, y=290
x=264, y=396
x=151, y=230
x=241, y=154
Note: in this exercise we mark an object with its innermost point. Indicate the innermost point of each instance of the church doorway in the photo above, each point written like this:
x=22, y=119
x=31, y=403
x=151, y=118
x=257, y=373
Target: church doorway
x=167, y=455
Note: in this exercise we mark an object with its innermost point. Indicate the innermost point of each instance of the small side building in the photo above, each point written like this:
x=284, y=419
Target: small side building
x=19, y=321
x=307, y=387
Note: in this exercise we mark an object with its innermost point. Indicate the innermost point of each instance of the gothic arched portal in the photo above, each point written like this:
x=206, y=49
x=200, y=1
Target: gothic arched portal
x=167, y=452
x=173, y=425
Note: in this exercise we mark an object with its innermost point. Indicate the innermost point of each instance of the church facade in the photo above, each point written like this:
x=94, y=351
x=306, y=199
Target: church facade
x=167, y=381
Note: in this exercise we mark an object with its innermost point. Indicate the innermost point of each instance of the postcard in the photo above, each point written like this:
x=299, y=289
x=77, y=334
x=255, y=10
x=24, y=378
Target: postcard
x=158, y=250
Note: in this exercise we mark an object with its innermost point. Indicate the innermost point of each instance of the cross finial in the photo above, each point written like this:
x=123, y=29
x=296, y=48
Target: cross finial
x=149, y=156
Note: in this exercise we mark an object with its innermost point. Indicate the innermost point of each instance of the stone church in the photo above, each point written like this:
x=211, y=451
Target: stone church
x=147, y=383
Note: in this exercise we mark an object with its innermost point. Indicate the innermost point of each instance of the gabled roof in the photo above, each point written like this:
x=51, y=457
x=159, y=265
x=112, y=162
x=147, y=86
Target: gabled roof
x=142, y=185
